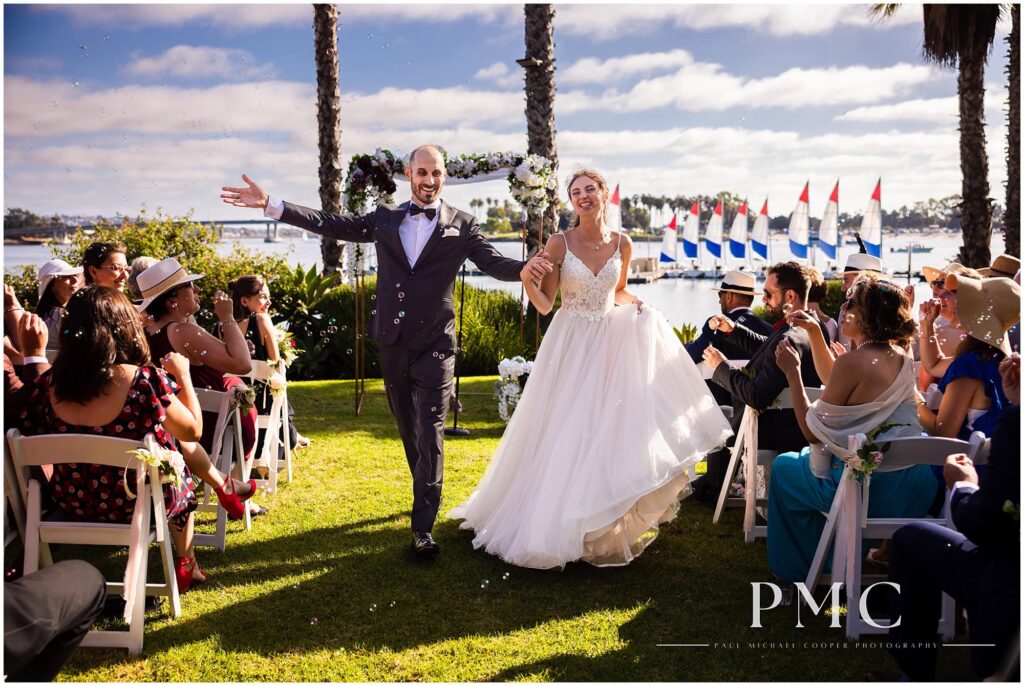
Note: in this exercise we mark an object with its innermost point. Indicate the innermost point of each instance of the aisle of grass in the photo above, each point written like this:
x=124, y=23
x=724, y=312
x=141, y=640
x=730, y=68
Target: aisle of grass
x=324, y=588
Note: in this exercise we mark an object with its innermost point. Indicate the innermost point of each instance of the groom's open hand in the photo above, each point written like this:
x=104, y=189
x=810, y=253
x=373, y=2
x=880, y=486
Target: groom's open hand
x=253, y=196
x=537, y=267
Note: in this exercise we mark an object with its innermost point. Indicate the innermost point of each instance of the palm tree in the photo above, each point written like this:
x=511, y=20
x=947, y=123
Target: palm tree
x=539, y=65
x=328, y=115
x=961, y=36
x=1011, y=219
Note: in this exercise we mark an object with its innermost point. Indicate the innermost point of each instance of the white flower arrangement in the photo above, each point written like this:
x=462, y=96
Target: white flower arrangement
x=244, y=398
x=169, y=462
x=277, y=384
x=509, y=387
x=531, y=178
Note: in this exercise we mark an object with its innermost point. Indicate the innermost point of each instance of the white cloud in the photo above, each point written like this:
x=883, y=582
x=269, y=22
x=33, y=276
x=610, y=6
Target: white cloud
x=937, y=110
x=188, y=61
x=591, y=70
x=500, y=75
x=605, y=22
x=244, y=17
x=704, y=86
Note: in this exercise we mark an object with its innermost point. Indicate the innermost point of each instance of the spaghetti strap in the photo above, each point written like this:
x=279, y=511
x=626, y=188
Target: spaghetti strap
x=618, y=242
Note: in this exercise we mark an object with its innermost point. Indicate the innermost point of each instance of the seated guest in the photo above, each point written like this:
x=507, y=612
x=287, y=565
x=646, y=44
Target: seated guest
x=139, y=265
x=972, y=392
x=58, y=281
x=735, y=297
x=250, y=298
x=946, y=327
x=978, y=564
x=815, y=296
x=170, y=298
x=102, y=383
x=46, y=616
x=857, y=264
x=871, y=385
x=18, y=378
x=759, y=384
x=106, y=265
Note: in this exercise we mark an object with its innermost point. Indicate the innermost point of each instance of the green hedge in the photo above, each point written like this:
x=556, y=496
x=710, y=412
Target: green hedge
x=490, y=332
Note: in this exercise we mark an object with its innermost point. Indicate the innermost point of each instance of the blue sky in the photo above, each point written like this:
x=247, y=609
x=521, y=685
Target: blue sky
x=112, y=108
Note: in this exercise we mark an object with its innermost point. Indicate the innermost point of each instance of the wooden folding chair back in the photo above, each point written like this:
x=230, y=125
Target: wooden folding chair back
x=143, y=479
x=848, y=525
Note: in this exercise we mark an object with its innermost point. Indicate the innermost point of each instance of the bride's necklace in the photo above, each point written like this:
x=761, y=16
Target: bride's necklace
x=605, y=240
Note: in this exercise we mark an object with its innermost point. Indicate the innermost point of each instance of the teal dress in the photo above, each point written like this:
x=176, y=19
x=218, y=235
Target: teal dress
x=797, y=500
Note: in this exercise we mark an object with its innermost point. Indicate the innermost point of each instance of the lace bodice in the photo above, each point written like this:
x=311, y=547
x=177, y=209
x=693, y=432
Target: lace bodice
x=585, y=294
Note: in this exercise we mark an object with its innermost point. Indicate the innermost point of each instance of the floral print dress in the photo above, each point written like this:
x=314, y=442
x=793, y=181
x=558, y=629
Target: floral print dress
x=95, y=493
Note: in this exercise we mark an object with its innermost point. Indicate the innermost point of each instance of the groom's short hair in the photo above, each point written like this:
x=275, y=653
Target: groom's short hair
x=420, y=148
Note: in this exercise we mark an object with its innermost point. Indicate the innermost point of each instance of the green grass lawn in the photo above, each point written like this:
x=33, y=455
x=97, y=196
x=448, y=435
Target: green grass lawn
x=324, y=588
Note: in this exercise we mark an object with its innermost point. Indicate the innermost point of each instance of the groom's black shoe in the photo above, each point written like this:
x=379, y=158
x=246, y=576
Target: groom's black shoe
x=423, y=544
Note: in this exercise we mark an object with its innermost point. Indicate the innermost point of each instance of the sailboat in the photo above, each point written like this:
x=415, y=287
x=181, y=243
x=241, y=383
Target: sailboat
x=799, y=227
x=738, y=234
x=828, y=232
x=871, y=225
x=759, y=234
x=669, y=245
x=613, y=211
x=713, y=242
x=691, y=241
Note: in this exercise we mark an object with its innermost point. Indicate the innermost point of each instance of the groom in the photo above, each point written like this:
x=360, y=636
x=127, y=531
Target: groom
x=420, y=247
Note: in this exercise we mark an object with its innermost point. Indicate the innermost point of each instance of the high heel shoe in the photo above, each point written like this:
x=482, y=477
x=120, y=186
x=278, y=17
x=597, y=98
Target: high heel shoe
x=233, y=503
x=184, y=573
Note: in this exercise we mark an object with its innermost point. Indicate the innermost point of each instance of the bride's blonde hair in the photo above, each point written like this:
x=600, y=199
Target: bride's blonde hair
x=596, y=177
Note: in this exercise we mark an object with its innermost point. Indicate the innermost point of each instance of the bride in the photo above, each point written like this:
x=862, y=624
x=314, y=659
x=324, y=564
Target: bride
x=596, y=455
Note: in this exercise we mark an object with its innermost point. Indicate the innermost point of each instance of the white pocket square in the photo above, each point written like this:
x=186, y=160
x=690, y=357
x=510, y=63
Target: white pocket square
x=450, y=232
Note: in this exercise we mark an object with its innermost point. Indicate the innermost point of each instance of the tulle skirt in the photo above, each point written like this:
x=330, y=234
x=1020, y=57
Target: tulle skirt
x=596, y=455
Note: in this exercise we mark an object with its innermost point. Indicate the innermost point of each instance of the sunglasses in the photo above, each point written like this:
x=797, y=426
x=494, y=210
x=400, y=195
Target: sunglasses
x=117, y=268
x=938, y=283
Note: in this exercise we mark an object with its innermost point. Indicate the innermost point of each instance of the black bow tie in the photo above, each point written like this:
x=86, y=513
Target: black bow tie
x=415, y=209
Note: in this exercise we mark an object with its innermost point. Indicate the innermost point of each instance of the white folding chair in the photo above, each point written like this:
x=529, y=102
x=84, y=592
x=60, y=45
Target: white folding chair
x=274, y=424
x=36, y=451
x=848, y=525
x=745, y=449
x=222, y=455
x=14, y=503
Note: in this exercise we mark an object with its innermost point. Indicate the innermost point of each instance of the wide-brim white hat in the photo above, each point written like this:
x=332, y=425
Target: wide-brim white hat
x=861, y=262
x=163, y=276
x=51, y=270
x=738, y=281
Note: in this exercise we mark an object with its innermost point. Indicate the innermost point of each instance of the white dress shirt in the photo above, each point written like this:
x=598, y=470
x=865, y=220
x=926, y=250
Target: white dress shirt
x=414, y=231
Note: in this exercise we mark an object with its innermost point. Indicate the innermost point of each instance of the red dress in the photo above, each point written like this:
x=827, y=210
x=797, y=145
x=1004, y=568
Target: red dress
x=95, y=493
x=205, y=376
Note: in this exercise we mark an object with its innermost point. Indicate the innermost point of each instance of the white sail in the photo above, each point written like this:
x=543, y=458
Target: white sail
x=871, y=225
x=828, y=232
x=713, y=234
x=613, y=211
x=799, y=227
x=691, y=233
x=759, y=234
x=738, y=233
x=669, y=244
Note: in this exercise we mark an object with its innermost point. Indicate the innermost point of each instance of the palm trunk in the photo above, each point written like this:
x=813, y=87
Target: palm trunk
x=328, y=115
x=539, y=64
x=1011, y=219
x=976, y=206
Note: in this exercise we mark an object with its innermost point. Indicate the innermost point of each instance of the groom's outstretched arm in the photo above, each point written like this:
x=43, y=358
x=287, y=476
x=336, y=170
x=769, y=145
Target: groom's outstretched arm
x=489, y=260
x=341, y=227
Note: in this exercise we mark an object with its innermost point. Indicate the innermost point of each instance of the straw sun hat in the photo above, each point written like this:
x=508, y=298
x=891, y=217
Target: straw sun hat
x=163, y=276
x=986, y=308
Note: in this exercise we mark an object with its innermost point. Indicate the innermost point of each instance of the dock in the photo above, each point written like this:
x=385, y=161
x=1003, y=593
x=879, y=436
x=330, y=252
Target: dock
x=645, y=277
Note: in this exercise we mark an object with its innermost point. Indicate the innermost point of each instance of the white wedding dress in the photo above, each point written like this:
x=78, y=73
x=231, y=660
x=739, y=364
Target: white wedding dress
x=596, y=454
